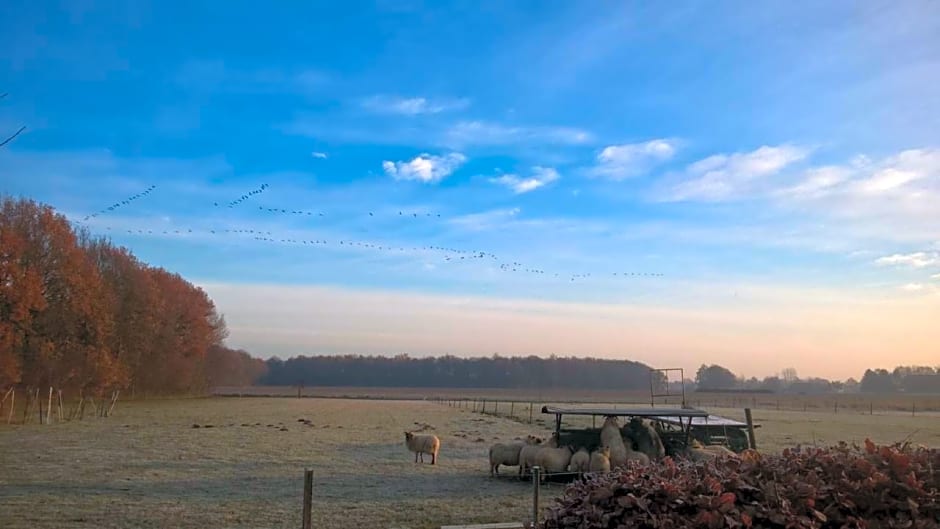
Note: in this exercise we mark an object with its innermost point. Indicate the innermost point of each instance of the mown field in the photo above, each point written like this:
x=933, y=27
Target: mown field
x=147, y=466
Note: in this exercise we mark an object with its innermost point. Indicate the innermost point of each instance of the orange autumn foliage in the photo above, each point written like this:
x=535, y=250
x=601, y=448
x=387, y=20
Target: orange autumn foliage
x=77, y=312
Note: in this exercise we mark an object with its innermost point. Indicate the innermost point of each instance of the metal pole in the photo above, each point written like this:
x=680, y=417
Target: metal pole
x=536, y=482
x=308, y=498
x=750, y=428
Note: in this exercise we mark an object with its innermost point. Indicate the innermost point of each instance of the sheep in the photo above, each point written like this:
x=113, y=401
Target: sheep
x=641, y=435
x=611, y=438
x=552, y=460
x=529, y=453
x=423, y=444
x=508, y=454
x=696, y=451
x=600, y=460
x=580, y=461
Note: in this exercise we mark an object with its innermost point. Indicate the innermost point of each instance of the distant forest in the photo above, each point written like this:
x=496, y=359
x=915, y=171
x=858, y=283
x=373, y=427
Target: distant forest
x=82, y=315
x=454, y=372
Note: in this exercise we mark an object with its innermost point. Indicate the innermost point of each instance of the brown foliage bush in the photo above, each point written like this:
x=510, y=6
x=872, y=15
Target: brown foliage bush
x=839, y=487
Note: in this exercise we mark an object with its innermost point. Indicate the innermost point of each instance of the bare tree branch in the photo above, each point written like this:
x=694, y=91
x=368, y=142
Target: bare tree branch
x=15, y=134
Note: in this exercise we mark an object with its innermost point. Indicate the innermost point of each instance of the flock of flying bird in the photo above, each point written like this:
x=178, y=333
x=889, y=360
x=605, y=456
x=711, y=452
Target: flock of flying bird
x=124, y=202
x=451, y=255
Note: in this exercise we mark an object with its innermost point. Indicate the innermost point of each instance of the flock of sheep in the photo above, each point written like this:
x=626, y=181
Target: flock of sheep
x=636, y=441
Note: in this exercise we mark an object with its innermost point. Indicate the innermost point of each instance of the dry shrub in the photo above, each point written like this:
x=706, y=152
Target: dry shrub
x=845, y=486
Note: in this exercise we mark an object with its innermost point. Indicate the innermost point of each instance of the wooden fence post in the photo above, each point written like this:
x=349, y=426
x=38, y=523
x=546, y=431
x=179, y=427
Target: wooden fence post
x=483, y=409
x=308, y=499
x=496, y=408
x=511, y=405
x=530, y=413
x=750, y=428
x=536, y=482
x=12, y=406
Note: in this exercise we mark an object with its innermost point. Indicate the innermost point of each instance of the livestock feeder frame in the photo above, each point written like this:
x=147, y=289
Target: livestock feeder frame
x=676, y=427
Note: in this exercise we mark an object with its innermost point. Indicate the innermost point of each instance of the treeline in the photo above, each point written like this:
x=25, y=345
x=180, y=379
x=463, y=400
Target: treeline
x=903, y=379
x=454, y=372
x=78, y=313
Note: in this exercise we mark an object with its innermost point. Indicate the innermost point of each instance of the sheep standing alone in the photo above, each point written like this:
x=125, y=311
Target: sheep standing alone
x=600, y=460
x=423, y=444
x=508, y=454
x=580, y=461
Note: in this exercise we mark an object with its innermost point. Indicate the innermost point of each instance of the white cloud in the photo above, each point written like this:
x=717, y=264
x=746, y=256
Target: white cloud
x=425, y=167
x=912, y=260
x=541, y=176
x=729, y=176
x=412, y=106
x=617, y=162
x=486, y=219
x=913, y=287
x=487, y=133
x=320, y=155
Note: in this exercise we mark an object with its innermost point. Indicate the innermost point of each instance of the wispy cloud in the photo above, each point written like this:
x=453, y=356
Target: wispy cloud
x=425, y=167
x=729, y=176
x=489, y=133
x=617, y=162
x=320, y=155
x=412, y=106
x=911, y=260
x=486, y=219
x=541, y=176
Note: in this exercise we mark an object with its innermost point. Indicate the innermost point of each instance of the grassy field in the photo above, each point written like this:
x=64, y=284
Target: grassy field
x=147, y=466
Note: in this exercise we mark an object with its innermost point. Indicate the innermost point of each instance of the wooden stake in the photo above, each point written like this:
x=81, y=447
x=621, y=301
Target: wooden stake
x=308, y=499
x=12, y=406
x=61, y=414
x=750, y=428
x=49, y=408
x=40, y=406
x=114, y=399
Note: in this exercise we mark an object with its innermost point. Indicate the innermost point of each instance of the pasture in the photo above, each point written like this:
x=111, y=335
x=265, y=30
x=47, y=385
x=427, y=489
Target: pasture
x=147, y=466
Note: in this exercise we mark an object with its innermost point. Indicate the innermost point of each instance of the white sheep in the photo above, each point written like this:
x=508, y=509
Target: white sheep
x=580, y=461
x=611, y=438
x=529, y=453
x=600, y=460
x=552, y=460
x=423, y=444
x=508, y=453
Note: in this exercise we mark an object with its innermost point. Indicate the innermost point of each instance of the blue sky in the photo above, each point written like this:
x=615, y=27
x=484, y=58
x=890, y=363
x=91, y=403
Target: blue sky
x=773, y=167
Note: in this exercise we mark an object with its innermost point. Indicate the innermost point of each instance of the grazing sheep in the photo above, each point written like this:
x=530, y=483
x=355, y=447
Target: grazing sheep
x=580, y=461
x=508, y=454
x=552, y=460
x=644, y=438
x=528, y=454
x=612, y=439
x=600, y=460
x=423, y=444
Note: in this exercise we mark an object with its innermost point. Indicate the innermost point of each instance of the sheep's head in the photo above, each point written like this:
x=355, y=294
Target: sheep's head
x=611, y=420
x=604, y=451
x=409, y=436
x=533, y=440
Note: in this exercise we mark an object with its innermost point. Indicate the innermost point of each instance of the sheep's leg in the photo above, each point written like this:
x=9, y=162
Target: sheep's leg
x=416, y=457
x=434, y=458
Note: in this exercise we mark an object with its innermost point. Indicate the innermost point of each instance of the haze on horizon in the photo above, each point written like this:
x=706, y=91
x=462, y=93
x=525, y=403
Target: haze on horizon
x=749, y=184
